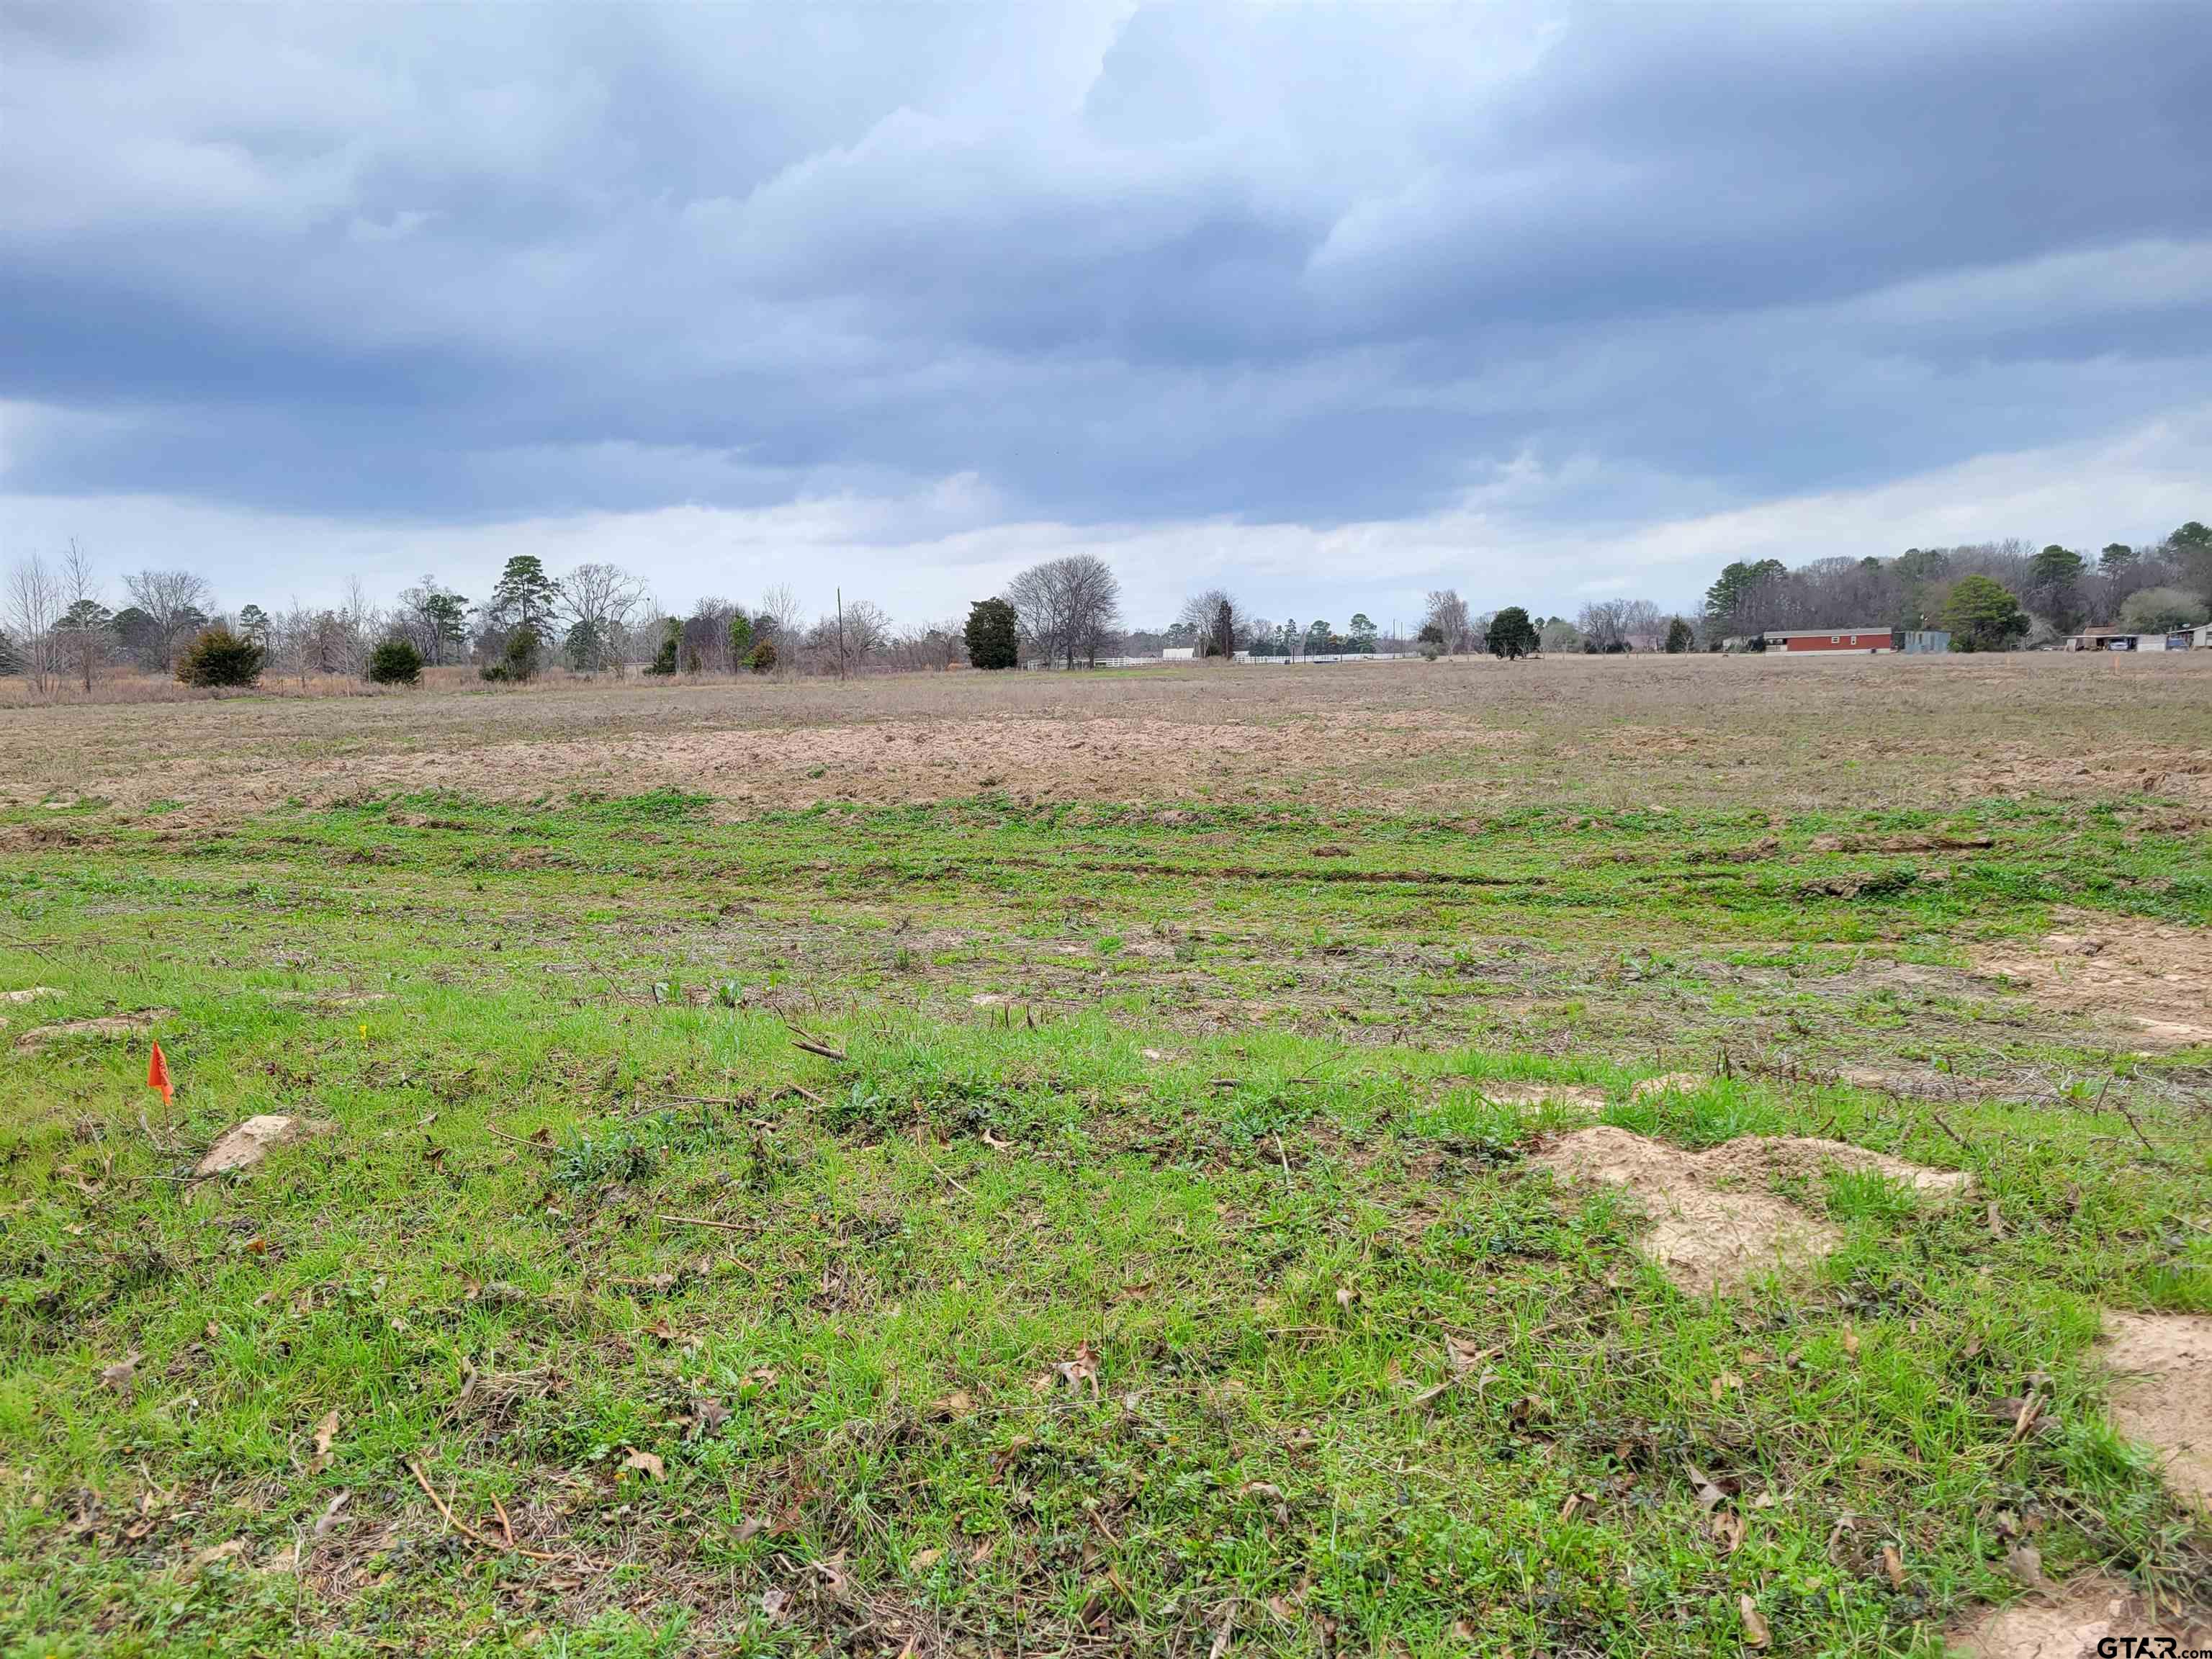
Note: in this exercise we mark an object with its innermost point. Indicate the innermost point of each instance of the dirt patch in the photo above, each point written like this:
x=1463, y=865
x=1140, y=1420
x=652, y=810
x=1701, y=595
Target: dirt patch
x=28, y=993
x=2068, y=1621
x=1542, y=1094
x=248, y=1143
x=2161, y=1391
x=1714, y=1226
x=2152, y=978
x=113, y=1028
x=1059, y=757
x=1900, y=843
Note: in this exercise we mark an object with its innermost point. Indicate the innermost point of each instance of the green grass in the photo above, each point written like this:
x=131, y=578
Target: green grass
x=527, y=1038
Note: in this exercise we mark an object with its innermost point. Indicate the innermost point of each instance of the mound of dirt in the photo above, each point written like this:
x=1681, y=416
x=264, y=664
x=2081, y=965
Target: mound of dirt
x=113, y=1028
x=2151, y=977
x=1541, y=1094
x=2068, y=1621
x=2161, y=1391
x=1713, y=1227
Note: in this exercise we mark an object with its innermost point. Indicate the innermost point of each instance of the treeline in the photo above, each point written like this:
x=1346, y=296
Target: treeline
x=57, y=627
x=1987, y=595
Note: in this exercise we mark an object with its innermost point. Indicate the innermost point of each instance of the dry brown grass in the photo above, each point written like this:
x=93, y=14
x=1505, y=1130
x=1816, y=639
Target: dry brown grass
x=1447, y=737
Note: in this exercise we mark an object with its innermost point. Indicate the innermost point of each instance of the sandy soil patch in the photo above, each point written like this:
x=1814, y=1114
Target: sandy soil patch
x=2068, y=1621
x=1532, y=1096
x=113, y=1027
x=1714, y=1224
x=2161, y=1391
x=2151, y=977
x=28, y=993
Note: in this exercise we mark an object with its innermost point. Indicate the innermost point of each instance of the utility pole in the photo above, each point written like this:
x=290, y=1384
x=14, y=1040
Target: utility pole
x=840, y=636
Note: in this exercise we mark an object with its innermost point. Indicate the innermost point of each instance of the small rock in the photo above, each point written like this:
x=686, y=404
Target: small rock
x=248, y=1143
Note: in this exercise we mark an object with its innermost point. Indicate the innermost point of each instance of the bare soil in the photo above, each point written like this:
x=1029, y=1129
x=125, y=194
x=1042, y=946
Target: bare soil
x=113, y=1028
x=2150, y=980
x=1450, y=736
x=2161, y=1391
x=2069, y=1620
x=1714, y=1224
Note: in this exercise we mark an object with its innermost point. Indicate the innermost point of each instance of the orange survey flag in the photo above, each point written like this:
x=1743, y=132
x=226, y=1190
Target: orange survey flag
x=157, y=1077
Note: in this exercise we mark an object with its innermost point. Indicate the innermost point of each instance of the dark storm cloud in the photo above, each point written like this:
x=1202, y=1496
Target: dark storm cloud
x=1272, y=263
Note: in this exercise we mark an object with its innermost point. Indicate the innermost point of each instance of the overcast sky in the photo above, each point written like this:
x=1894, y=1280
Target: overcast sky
x=1330, y=306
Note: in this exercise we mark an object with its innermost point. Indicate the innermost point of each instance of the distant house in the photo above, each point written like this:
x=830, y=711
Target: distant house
x=1794, y=641
x=2119, y=638
x=1179, y=653
x=1918, y=642
x=2098, y=638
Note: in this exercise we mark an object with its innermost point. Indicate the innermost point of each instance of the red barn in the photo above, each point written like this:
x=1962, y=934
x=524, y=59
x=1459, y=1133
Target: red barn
x=1808, y=640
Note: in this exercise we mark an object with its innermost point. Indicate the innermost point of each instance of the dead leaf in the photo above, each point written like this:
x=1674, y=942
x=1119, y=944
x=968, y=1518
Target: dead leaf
x=1346, y=1295
x=207, y=1557
x=328, y=1518
x=956, y=1404
x=1725, y=1383
x=119, y=1376
x=1709, y=1497
x=1755, y=1633
x=981, y=1553
x=1892, y=1566
x=1851, y=1342
x=2025, y=1563
x=644, y=1462
x=1997, y=1220
x=923, y=1561
x=774, y=1601
x=710, y=1415
x=1728, y=1530
x=1080, y=1370
x=325, y=1432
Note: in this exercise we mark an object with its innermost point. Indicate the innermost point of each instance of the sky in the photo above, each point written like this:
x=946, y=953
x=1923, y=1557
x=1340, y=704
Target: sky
x=1330, y=306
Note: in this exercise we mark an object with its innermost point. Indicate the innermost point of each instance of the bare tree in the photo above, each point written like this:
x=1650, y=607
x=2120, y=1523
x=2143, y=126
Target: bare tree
x=706, y=634
x=1215, y=621
x=86, y=626
x=780, y=610
x=599, y=601
x=174, y=604
x=935, y=645
x=1448, y=616
x=33, y=606
x=433, y=619
x=1613, y=625
x=1066, y=607
x=868, y=630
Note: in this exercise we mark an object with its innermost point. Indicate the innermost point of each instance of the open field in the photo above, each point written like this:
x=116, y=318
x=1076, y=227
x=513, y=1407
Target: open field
x=1456, y=735
x=1680, y=1156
